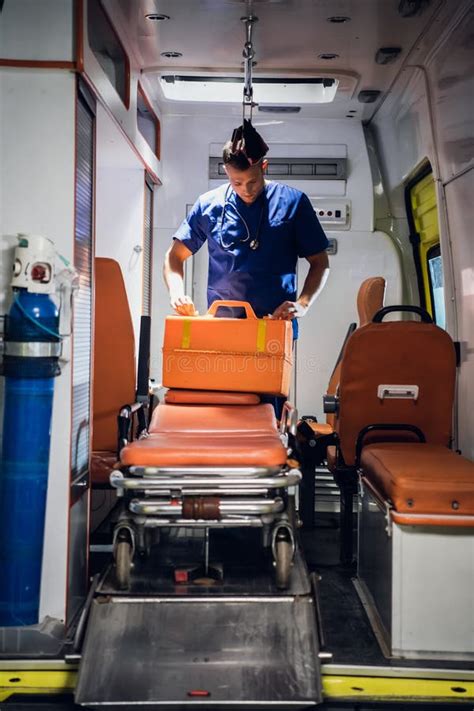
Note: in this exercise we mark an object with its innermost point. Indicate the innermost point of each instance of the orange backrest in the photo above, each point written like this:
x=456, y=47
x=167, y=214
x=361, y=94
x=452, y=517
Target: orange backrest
x=396, y=353
x=370, y=298
x=114, y=353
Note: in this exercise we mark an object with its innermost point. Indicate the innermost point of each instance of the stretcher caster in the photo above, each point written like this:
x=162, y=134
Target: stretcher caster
x=283, y=552
x=123, y=553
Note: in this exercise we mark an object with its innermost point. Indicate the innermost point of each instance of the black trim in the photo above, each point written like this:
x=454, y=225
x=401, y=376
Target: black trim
x=384, y=428
x=352, y=327
x=457, y=349
x=422, y=313
x=414, y=237
x=144, y=358
x=86, y=95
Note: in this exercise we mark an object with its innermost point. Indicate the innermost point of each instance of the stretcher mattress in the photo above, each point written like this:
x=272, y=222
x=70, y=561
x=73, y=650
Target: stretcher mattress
x=209, y=419
x=182, y=449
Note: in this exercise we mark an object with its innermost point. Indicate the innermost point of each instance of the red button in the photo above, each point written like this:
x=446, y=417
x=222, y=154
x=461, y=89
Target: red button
x=199, y=692
x=181, y=576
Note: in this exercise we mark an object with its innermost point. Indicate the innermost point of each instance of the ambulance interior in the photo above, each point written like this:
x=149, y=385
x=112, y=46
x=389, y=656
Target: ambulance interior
x=191, y=550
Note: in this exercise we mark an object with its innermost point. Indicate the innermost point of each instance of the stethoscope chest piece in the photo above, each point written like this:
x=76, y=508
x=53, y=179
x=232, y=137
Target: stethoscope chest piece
x=254, y=244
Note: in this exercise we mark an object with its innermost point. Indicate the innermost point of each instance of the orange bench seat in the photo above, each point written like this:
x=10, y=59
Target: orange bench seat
x=421, y=478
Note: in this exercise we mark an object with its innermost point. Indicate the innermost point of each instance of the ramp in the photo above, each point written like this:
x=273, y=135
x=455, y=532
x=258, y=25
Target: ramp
x=203, y=652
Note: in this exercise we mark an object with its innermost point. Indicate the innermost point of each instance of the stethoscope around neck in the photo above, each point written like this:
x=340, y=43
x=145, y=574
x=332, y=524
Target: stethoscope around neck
x=253, y=242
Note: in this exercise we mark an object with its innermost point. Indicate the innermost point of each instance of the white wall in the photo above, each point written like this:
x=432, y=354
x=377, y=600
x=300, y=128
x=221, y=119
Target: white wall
x=32, y=30
x=120, y=196
x=37, y=196
x=186, y=148
x=430, y=114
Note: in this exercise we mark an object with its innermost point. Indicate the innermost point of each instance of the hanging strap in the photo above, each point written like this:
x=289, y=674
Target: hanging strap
x=248, y=55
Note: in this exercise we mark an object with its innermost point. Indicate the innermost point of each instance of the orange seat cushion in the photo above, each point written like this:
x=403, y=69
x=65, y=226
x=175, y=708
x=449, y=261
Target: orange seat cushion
x=210, y=419
x=421, y=478
x=187, y=450
x=320, y=428
x=210, y=397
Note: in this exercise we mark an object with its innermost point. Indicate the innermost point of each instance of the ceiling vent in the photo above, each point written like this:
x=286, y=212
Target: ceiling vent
x=368, y=96
x=387, y=55
x=412, y=8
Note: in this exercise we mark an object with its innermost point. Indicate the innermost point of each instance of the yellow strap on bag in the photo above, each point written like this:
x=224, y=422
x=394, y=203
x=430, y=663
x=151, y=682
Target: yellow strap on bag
x=186, y=338
x=261, y=335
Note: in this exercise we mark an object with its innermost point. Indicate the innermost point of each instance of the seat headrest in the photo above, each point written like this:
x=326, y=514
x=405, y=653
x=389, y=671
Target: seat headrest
x=370, y=298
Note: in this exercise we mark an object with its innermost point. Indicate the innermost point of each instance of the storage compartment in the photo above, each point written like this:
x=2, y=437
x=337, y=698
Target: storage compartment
x=245, y=355
x=416, y=582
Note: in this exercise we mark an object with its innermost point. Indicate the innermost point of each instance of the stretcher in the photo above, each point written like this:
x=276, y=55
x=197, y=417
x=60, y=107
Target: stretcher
x=209, y=460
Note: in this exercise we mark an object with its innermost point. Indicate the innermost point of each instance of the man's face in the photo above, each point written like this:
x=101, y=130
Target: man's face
x=248, y=184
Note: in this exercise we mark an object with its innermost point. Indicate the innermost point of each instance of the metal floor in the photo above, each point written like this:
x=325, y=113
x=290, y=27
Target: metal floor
x=346, y=629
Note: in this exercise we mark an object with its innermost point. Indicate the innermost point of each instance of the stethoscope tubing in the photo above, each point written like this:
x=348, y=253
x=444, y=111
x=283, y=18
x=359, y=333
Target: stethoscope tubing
x=234, y=243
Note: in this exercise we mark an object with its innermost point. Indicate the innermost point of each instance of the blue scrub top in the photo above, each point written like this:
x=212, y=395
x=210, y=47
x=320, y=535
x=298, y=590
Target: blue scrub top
x=282, y=221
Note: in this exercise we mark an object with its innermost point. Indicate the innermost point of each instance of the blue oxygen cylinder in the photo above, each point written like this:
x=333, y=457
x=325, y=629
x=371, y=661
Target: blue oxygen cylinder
x=32, y=349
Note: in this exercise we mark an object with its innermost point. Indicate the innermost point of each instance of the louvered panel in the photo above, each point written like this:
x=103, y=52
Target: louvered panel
x=83, y=301
x=147, y=250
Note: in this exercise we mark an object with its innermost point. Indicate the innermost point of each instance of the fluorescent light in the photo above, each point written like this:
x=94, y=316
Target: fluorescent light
x=266, y=90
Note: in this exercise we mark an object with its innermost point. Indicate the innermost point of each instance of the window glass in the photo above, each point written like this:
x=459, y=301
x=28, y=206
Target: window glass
x=436, y=278
x=148, y=123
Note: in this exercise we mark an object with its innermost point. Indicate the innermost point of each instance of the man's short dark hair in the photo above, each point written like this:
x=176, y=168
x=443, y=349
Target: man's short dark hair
x=236, y=160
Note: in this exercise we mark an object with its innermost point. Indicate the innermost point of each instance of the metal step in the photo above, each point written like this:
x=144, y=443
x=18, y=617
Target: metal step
x=202, y=651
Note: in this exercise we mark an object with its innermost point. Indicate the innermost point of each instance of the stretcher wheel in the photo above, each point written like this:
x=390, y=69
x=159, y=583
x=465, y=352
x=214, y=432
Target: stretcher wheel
x=284, y=557
x=123, y=563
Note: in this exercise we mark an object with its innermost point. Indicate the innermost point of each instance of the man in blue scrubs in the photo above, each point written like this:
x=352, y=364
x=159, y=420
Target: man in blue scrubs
x=255, y=230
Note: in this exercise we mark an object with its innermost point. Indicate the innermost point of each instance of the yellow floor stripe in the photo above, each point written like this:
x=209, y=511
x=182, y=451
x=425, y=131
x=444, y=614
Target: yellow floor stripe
x=350, y=687
x=334, y=687
x=36, y=682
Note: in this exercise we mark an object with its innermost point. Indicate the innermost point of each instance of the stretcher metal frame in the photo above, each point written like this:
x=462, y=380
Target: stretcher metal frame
x=262, y=497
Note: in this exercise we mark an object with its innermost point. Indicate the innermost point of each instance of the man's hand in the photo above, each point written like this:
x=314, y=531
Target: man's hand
x=183, y=305
x=289, y=310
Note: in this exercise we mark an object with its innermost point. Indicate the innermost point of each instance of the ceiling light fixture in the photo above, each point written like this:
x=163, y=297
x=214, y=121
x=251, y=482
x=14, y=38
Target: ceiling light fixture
x=171, y=55
x=275, y=109
x=157, y=17
x=338, y=19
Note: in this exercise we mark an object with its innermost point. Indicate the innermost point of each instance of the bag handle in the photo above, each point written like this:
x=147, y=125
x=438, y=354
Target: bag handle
x=249, y=312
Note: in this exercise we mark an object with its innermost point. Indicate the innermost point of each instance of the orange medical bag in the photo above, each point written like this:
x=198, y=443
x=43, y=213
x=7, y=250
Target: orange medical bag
x=245, y=355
